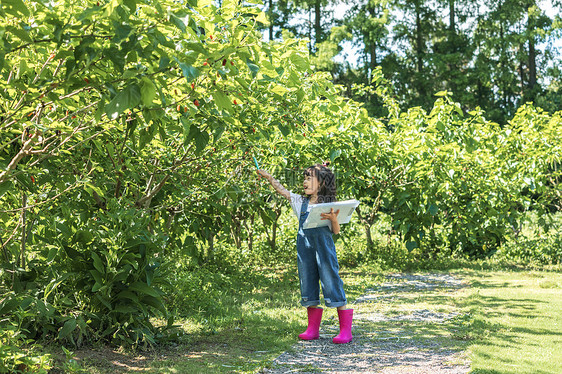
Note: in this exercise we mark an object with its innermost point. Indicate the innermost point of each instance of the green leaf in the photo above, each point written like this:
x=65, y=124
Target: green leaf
x=222, y=101
x=147, y=134
x=25, y=181
x=96, y=287
x=218, y=131
x=148, y=91
x=433, y=209
x=100, y=110
x=299, y=61
x=125, y=309
x=253, y=67
x=300, y=95
x=20, y=33
x=67, y=328
x=335, y=154
x=103, y=300
x=8, y=305
x=15, y=7
x=4, y=187
x=178, y=21
x=279, y=90
x=52, y=253
x=189, y=72
x=98, y=263
x=97, y=276
x=163, y=63
x=90, y=188
x=131, y=4
x=25, y=303
x=154, y=302
x=201, y=140
x=411, y=245
x=110, y=7
x=285, y=130
x=143, y=288
x=122, y=32
x=196, y=47
x=127, y=295
x=84, y=237
x=262, y=18
x=129, y=98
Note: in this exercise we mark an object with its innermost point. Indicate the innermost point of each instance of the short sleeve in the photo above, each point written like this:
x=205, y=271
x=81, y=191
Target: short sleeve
x=296, y=203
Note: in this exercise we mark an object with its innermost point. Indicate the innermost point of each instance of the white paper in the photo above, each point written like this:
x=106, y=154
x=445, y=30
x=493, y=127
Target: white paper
x=344, y=216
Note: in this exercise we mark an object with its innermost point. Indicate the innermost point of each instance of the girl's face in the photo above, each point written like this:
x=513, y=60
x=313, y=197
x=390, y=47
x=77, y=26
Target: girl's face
x=311, y=184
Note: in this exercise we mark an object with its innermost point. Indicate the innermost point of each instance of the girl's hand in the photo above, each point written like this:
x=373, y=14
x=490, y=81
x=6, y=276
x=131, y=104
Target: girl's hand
x=332, y=216
x=274, y=183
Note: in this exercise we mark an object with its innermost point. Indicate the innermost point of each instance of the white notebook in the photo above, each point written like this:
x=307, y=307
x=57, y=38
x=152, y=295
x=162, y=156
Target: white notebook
x=344, y=216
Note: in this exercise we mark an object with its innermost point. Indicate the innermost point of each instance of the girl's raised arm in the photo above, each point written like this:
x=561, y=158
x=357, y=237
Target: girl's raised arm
x=275, y=184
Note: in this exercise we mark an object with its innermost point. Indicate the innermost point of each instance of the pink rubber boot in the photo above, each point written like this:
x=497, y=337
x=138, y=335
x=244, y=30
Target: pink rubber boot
x=345, y=317
x=314, y=318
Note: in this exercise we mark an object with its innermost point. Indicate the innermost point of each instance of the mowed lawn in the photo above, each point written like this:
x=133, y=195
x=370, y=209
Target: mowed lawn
x=515, y=323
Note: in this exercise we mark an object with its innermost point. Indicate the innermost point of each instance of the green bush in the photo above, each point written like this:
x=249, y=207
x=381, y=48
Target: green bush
x=544, y=250
x=14, y=358
x=101, y=280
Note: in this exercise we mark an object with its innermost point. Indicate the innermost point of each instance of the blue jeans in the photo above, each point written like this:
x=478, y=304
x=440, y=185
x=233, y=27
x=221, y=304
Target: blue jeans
x=317, y=263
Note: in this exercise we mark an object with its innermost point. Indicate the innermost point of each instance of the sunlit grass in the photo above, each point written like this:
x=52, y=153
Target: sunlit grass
x=516, y=324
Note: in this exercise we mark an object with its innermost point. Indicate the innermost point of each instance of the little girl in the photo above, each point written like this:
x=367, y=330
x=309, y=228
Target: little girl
x=316, y=253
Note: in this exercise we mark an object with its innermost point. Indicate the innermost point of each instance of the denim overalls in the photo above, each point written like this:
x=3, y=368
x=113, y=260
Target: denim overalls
x=317, y=262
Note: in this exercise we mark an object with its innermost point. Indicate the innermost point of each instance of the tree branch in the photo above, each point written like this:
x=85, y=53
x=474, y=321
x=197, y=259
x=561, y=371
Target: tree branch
x=24, y=151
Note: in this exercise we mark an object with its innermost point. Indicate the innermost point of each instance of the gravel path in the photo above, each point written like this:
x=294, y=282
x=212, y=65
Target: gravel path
x=394, y=332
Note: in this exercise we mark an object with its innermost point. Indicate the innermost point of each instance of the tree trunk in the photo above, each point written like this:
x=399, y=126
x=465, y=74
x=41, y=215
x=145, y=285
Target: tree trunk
x=272, y=236
x=270, y=20
x=372, y=44
x=502, y=65
x=370, y=244
x=522, y=76
x=532, y=63
x=318, y=37
x=367, y=226
x=419, y=38
x=4, y=250
x=21, y=261
x=310, y=47
x=251, y=234
x=452, y=25
x=373, y=59
x=211, y=249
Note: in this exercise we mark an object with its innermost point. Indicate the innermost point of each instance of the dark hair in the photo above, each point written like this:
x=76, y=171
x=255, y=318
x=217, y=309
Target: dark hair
x=326, y=180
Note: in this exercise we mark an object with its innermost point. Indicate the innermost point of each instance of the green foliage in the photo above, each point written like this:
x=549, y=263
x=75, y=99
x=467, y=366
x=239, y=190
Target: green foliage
x=113, y=120
x=541, y=251
x=16, y=354
x=497, y=60
x=126, y=144
x=95, y=283
x=538, y=244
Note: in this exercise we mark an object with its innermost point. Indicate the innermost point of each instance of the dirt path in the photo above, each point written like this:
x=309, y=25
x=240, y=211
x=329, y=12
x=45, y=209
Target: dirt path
x=401, y=326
